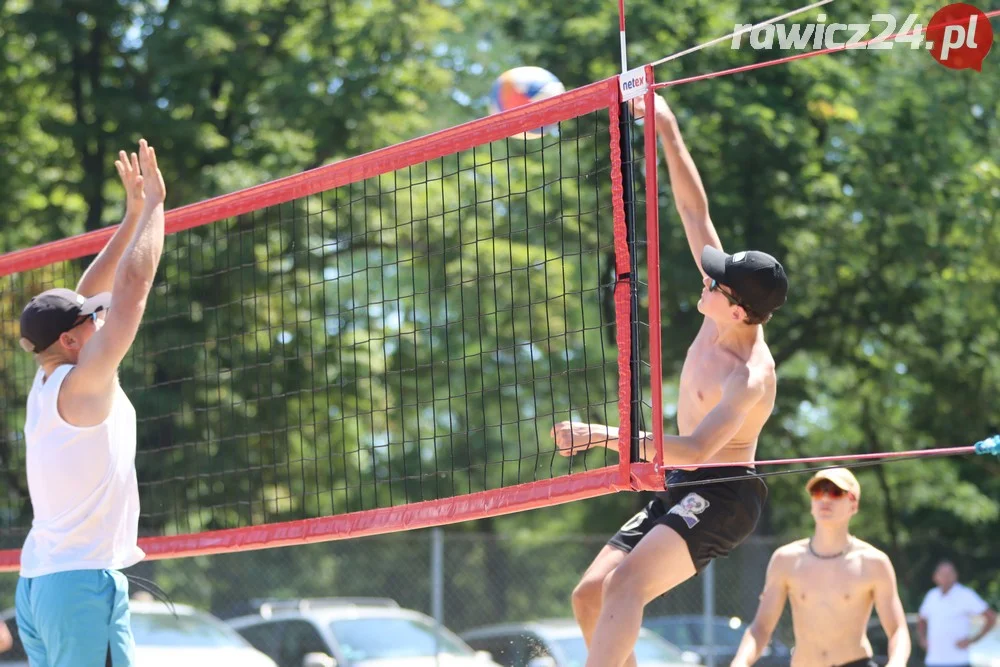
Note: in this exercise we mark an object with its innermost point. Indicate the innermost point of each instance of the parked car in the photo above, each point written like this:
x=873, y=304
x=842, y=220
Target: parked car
x=353, y=632
x=986, y=652
x=687, y=632
x=559, y=643
x=191, y=638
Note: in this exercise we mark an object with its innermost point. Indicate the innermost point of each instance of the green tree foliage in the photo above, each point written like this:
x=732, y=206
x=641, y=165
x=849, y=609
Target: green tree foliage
x=873, y=175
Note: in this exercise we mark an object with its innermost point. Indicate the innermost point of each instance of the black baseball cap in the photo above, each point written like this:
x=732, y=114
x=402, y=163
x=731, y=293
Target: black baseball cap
x=51, y=313
x=755, y=278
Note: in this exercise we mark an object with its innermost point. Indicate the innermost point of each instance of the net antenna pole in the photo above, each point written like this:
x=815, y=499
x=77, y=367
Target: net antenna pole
x=621, y=33
x=628, y=184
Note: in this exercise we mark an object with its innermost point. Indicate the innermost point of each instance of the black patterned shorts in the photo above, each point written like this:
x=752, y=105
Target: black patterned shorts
x=713, y=518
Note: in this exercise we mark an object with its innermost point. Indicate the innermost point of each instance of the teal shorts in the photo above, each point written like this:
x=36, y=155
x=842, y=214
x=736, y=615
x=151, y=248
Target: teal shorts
x=75, y=619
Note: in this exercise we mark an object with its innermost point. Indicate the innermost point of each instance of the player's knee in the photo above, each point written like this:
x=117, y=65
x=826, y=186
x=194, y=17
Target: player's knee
x=621, y=580
x=587, y=595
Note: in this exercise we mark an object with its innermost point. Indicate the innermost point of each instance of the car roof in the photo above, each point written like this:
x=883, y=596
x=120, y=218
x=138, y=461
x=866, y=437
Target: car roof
x=325, y=610
x=144, y=607
x=551, y=628
x=688, y=618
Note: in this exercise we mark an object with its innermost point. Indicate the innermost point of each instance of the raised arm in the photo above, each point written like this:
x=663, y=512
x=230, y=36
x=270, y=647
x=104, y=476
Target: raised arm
x=685, y=181
x=575, y=437
x=890, y=612
x=772, y=603
x=100, y=275
x=89, y=388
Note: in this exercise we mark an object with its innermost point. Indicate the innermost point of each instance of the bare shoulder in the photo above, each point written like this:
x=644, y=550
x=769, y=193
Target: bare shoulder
x=873, y=557
x=752, y=379
x=789, y=553
x=761, y=364
x=866, y=550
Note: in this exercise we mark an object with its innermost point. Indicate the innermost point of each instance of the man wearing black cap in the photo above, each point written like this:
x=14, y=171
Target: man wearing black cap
x=726, y=394
x=80, y=436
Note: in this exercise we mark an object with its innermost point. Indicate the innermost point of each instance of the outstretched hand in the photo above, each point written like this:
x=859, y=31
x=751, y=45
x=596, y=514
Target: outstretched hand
x=574, y=437
x=153, y=187
x=662, y=109
x=128, y=171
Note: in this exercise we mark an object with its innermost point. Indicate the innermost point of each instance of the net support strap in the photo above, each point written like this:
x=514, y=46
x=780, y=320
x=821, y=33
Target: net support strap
x=623, y=291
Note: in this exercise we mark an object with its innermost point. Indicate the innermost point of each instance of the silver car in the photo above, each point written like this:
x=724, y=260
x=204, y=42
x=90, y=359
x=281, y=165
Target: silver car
x=167, y=637
x=360, y=632
x=559, y=643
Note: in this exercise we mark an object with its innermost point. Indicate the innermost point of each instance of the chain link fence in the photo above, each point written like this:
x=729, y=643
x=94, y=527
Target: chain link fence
x=485, y=578
x=481, y=579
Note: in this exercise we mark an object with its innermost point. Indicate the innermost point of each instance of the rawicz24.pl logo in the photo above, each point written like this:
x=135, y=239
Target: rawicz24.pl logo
x=958, y=36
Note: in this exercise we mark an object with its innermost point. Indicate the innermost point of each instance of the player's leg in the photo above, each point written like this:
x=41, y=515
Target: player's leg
x=588, y=593
x=121, y=651
x=692, y=526
x=659, y=563
x=78, y=608
x=27, y=629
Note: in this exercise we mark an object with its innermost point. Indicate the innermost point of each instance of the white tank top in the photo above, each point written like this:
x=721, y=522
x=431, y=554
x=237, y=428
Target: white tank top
x=83, y=486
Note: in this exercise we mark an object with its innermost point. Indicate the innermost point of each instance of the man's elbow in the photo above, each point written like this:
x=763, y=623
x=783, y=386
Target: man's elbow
x=760, y=633
x=137, y=272
x=701, y=451
x=901, y=632
x=688, y=456
x=133, y=281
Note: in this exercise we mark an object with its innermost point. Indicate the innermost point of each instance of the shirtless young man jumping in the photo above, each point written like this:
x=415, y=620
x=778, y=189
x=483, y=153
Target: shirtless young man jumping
x=727, y=391
x=832, y=580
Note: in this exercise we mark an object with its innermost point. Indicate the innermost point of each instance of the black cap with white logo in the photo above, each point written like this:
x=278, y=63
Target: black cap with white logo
x=51, y=313
x=755, y=278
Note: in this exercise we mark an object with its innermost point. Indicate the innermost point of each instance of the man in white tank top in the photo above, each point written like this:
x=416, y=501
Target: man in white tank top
x=80, y=433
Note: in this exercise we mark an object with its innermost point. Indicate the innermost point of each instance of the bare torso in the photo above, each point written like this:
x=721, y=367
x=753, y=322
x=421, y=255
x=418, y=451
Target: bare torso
x=705, y=370
x=831, y=600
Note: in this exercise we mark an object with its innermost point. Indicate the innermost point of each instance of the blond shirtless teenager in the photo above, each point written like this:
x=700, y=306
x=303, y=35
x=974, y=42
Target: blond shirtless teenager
x=726, y=394
x=832, y=581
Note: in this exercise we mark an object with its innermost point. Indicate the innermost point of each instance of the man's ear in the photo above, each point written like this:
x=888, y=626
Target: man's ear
x=738, y=314
x=69, y=341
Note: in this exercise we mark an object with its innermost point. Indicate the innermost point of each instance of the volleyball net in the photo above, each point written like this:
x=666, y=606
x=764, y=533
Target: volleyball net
x=380, y=344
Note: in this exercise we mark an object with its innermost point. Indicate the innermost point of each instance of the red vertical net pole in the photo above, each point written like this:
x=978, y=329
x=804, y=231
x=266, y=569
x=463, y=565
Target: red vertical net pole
x=653, y=258
x=623, y=324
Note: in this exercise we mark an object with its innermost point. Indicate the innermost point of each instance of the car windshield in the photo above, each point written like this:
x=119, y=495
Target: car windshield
x=647, y=650
x=183, y=630
x=386, y=638
x=693, y=633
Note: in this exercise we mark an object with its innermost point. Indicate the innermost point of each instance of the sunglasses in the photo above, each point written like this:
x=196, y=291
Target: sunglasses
x=714, y=286
x=83, y=318
x=827, y=489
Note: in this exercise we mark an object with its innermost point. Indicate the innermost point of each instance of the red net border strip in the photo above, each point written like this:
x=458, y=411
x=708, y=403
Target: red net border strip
x=533, y=495
x=623, y=286
x=572, y=104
